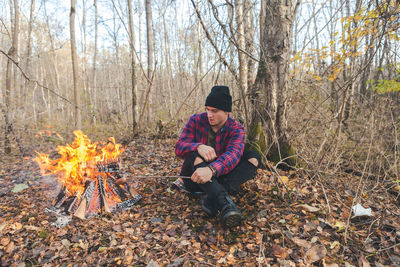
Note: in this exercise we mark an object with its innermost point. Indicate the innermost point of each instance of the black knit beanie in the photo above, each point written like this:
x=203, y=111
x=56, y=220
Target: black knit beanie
x=220, y=98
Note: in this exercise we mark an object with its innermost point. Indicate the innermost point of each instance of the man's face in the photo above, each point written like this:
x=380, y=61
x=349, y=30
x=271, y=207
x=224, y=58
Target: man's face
x=216, y=117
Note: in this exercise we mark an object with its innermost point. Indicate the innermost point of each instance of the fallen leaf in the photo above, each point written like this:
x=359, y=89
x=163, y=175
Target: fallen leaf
x=65, y=242
x=329, y=264
x=4, y=241
x=32, y=228
x=10, y=247
x=286, y=263
x=2, y=226
x=152, y=263
x=308, y=208
x=316, y=253
x=128, y=259
x=250, y=246
x=339, y=224
x=279, y=252
x=362, y=262
x=82, y=244
x=16, y=226
x=334, y=244
x=301, y=242
x=285, y=179
x=222, y=261
x=100, y=249
x=185, y=242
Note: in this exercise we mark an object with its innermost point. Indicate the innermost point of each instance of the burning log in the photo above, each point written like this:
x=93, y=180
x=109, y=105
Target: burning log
x=103, y=194
x=90, y=177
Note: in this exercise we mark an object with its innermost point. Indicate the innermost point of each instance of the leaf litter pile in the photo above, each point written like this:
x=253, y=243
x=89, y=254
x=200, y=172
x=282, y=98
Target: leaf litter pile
x=297, y=220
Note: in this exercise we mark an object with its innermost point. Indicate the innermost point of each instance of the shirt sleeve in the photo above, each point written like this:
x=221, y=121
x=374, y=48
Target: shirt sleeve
x=228, y=160
x=187, y=141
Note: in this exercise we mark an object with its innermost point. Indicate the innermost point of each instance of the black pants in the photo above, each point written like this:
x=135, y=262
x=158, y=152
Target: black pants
x=229, y=182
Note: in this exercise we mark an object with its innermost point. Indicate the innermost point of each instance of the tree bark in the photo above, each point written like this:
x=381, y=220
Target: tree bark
x=249, y=31
x=243, y=61
x=84, y=64
x=55, y=78
x=29, y=41
x=269, y=95
x=77, y=100
x=149, y=31
x=28, y=58
x=169, y=103
x=7, y=94
x=200, y=59
x=241, y=46
x=94, y=67
x=133, y=66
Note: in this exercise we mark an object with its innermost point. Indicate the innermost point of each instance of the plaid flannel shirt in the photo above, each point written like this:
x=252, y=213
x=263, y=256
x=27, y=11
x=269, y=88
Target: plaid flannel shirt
x=229, y=142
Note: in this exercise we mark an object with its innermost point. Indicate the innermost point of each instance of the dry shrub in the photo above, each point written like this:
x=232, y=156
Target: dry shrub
x=366, y=143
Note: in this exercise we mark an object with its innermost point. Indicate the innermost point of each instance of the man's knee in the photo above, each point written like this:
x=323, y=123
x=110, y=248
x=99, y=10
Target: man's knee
x=253, y=161
x=253, y=157
x=194, y=158
x=197, y=161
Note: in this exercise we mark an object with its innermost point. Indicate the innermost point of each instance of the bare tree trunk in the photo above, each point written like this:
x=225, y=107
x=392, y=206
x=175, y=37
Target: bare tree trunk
x=243, y=61
x=249, y=31
x=133, y=66
x=77, y=99
x=232, y=56
x=56, y=77
x=28, y=57
x=169, y=103
x=12, y=52
x=349, y=102
x=200, y=58
x=140, y=31
x=262, y=18
x=270, y=92
x=17, y=88
x=84, y=73
x=29, y=41
x=149, y=30
x=94, y=85
x=241, y=46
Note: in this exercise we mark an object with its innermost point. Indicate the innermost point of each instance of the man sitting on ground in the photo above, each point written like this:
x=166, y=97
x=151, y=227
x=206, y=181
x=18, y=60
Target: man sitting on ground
x=212, y=145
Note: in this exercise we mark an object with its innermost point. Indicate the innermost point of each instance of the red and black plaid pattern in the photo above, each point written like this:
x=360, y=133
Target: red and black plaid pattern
x=229, y=141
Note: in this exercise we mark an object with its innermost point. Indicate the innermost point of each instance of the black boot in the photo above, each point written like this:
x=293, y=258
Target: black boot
x=230, y=215
x=209, y=206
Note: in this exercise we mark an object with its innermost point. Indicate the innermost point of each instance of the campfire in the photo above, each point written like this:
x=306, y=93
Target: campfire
x=90, y=177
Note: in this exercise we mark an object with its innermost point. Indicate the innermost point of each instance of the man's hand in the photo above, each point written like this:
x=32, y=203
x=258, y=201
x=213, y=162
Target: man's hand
x=202, y=175
x=207, y=152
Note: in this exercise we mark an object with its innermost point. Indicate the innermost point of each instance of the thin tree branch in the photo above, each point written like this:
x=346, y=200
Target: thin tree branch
x=35, y=81
x=220, y=56
x=231, y=37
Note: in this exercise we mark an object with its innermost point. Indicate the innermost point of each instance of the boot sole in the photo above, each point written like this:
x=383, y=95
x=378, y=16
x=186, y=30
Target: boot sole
x=232, y=219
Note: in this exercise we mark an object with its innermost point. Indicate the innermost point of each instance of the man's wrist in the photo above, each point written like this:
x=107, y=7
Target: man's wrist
x=213, y=171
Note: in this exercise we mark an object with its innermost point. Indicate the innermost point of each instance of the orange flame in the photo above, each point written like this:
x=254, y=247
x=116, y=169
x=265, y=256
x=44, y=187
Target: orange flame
x=73, y=167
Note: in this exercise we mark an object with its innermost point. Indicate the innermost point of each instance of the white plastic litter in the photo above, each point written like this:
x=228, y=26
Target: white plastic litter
x=359, y=210
x=19, y=187
x=62, y=221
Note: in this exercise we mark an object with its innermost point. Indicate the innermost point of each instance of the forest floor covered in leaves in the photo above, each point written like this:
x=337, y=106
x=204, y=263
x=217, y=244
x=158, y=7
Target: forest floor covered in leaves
x=306, y=223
